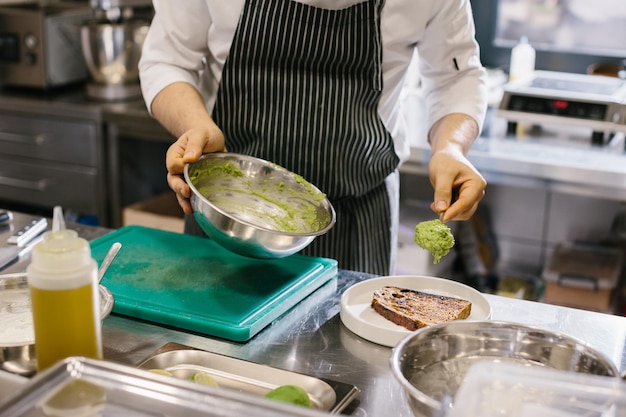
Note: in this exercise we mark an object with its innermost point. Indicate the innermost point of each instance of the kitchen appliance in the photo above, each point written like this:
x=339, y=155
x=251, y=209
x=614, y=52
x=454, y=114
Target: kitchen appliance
x=111, y=46
x=40, y=45
x=557, y=98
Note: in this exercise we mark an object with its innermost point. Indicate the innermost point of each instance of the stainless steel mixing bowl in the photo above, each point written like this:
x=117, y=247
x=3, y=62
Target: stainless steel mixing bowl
x=112, y=50
x=256, y=208
x=431, y=362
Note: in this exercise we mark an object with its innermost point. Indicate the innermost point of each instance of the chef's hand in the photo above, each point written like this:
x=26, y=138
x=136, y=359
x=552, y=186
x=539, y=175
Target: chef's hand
x=180, y=108
x=188, y=148
x=459, y=187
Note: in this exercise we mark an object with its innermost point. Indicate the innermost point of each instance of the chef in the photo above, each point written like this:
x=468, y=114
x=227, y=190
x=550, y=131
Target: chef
x=313, y=86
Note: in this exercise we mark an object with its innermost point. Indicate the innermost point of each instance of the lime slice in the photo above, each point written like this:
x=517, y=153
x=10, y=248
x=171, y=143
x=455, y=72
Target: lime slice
x=161, y=371
x=290, y=394
x=204, y=379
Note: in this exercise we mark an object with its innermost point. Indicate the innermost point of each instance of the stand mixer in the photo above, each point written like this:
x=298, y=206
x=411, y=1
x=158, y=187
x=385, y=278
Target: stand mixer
x=111, y=45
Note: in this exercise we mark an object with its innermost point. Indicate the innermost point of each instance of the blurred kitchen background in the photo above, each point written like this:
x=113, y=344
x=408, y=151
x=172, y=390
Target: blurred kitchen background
x=74, y=132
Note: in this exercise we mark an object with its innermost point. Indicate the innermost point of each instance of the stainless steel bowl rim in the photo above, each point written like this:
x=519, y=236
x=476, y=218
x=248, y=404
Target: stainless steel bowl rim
x=195, y=191
x=106, y=301
x=397, y=352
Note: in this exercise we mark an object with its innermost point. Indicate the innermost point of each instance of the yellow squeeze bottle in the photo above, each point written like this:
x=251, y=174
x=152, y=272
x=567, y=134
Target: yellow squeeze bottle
x=63, y=282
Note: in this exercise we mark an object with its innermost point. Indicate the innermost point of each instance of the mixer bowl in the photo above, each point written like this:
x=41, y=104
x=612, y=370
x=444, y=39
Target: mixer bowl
x=112, y=50
x=256, y=208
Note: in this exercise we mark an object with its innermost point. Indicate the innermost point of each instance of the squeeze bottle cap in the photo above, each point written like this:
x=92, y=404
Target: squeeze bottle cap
x=61, y=251
x=522, y=59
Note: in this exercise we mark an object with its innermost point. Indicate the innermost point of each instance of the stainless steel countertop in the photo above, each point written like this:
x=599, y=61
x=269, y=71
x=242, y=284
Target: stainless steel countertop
x=535, y=164
x=311, y=339
x=73, y=102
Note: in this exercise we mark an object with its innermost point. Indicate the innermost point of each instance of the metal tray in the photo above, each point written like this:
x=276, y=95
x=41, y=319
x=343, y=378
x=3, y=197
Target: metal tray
x=248, y=377
x=87, y=387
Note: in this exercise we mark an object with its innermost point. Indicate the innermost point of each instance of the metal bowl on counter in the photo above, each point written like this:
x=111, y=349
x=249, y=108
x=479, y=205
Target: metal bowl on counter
x=256, y=208
x=112, y=50
x=431, y=363
x=17, y=347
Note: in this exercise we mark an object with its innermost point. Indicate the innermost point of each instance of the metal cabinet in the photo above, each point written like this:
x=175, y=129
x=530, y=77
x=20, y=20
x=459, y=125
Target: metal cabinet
x=50, y=159
x=136, y=156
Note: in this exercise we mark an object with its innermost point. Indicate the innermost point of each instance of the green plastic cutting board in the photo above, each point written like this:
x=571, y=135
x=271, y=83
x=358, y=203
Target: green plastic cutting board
x=192, y=283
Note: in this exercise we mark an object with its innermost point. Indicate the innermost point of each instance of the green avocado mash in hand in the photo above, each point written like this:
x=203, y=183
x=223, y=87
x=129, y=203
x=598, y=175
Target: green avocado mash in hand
x=435, y=237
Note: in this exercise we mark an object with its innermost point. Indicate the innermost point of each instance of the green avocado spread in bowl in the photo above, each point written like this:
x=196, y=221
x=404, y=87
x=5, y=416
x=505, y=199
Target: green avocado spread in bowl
x=254, y=207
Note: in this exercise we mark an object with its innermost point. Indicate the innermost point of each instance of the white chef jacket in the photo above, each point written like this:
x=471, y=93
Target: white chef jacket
x=190, y=40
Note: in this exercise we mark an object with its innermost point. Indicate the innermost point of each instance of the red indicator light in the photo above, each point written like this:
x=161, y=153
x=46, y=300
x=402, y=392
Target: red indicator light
x=560, y=104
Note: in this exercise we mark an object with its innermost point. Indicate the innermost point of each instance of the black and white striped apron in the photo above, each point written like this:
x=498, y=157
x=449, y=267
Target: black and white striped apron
x=301, y=88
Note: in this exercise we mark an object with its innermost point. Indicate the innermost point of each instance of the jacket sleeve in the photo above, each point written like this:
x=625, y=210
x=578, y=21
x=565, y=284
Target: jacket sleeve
x=454, y=80
x=175, y=47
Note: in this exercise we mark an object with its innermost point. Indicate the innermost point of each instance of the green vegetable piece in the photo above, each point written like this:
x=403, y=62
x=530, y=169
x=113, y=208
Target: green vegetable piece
x=204, y=379
x=435, y=237
x=161, y=371
x=290, y=394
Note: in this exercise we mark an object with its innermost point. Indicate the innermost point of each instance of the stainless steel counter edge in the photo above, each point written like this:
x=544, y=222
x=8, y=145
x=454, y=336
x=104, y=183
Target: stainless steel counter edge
x=593, y=173
x=73, y=102
x=65, y=102
x=311, y=339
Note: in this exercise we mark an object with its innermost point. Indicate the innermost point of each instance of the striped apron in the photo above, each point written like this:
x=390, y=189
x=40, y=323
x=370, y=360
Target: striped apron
x=301, y=88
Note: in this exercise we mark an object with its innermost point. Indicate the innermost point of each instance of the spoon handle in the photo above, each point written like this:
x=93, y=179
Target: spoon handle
x=106, y=262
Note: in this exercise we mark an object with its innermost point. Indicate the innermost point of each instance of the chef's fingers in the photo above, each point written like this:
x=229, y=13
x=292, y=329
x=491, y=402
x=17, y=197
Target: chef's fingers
x=182, y=190
x=442, y=174
x=188, y=148
x=463, y=206
x=191, y=145
x=205, y=139
x=459, y=187
x=175, y=164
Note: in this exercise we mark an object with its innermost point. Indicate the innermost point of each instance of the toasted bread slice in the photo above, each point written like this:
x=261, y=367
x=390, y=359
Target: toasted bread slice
x=415, y=309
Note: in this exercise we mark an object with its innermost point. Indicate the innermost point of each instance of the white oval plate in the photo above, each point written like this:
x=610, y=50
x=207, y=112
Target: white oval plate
x=358, y=315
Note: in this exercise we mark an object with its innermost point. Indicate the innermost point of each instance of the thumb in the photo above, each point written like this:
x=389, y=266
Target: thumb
x=443, y=196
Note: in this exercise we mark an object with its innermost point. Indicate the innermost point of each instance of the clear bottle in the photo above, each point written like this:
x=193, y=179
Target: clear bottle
x=63, y=282
x=522, y=60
